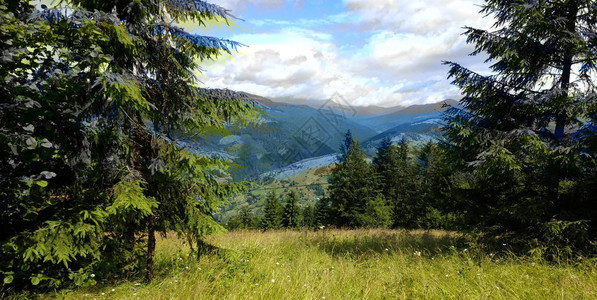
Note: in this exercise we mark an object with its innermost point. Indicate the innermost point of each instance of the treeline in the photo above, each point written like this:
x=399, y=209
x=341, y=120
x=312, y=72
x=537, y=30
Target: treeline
x=404, y=187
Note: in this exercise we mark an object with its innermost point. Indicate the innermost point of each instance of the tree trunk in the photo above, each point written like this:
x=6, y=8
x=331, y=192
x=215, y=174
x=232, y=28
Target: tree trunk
x=150, y=247
x=566, y=70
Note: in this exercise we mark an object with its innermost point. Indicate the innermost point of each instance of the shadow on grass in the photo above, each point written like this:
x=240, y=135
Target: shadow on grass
x=368, y=243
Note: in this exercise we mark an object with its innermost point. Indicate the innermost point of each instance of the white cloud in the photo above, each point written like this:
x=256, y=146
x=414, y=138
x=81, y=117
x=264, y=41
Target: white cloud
x=398, y=63
x=419, y=17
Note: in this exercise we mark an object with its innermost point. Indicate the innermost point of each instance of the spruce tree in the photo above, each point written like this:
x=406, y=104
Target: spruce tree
x=272, y=212
x=352, y=185
x=323, y=217
x=290, y=218
x=523, y=130
x=378, y=214
x=245, y=217
x=308, y=219
x=94, y=134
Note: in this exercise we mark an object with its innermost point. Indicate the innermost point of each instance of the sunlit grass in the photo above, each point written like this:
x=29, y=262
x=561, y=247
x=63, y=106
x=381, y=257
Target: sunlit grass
x=341, y=264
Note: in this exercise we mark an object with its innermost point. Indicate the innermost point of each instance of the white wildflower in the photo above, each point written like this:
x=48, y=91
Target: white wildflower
x=273, y=280
x=92, y=275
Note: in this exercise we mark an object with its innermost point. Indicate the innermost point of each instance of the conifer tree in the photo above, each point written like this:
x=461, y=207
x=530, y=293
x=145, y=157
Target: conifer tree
x=246, y=217
x=290, y=218
x=323, y=213
x=523, y=130
x=378, y=214
x=272, y=212
x=114, y=86
x=352, y=185
x=308, y=218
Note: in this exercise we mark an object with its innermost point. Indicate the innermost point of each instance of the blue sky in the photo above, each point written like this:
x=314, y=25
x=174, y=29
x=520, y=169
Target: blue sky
x=371, y=52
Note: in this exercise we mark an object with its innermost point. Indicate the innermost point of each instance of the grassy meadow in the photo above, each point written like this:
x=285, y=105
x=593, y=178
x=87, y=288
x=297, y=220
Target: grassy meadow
x=342, y=264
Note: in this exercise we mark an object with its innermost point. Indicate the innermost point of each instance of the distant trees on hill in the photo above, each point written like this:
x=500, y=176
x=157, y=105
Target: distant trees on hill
x=404, y=187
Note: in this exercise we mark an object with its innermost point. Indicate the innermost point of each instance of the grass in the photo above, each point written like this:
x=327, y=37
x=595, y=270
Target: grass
x=342, y=264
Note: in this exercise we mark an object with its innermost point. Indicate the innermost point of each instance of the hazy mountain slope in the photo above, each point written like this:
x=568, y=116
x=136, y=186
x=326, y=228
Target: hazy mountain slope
x=300, y=133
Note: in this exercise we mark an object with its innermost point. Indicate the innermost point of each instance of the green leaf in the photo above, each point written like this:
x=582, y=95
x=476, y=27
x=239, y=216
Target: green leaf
x=35, y=280
x=42, y=183
x=8, y=279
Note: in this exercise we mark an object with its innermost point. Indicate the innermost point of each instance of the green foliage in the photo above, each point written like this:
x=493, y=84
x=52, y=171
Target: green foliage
x=524, y=139
x=291, y=211
x=243, y=220
x=351, y=186
x=272, y=212
x=95, y=95
x=378, y=214
x=323, y=213
x=308, y=217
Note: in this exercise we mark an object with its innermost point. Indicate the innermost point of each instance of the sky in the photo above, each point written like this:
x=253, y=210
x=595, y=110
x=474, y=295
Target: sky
x=370, y=52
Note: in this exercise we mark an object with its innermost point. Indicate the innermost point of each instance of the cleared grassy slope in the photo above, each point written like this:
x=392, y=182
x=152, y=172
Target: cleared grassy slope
x=255, y=198
x=337, y=264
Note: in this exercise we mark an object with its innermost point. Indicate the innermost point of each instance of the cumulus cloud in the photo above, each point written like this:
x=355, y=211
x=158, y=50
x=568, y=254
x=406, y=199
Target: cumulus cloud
x=418, y=17
x=397, y=61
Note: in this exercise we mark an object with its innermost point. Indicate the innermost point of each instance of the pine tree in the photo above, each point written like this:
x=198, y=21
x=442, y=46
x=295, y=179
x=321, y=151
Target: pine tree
x=245, y=217
x=290, y=218
x=378, y=214
x=523, y=130
x=272, y=212
x=161, y=89
x=352, y=185
x=114, y=86
x=308, y=219
x=323, y=216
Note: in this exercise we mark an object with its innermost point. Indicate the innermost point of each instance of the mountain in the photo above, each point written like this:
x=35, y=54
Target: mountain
x=295, y=137
x=426, y=108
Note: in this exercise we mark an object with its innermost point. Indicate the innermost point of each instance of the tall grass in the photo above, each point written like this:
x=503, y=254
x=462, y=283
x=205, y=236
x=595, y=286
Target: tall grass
x=342, y=264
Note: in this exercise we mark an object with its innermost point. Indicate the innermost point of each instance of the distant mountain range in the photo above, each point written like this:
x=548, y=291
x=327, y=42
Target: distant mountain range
x=298, y=135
